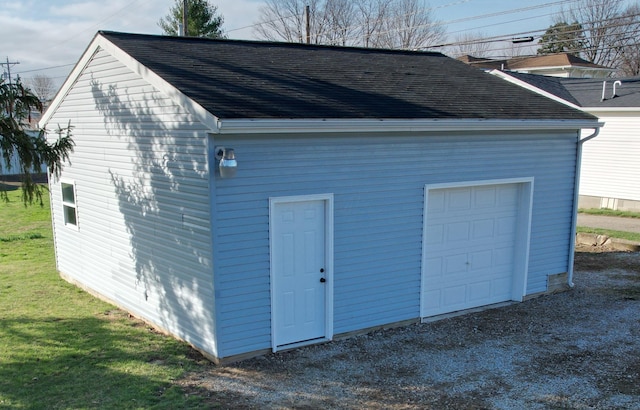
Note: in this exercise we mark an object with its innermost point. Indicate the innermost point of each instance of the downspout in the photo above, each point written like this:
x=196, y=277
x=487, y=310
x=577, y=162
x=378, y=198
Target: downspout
x=576, y=195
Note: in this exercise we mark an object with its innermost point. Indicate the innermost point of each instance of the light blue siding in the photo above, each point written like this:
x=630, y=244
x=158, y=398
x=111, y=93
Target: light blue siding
x=142, y=191
x=14, y=167
x=378, y=186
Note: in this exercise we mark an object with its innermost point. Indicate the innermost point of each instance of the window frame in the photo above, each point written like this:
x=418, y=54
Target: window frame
x=68, y=205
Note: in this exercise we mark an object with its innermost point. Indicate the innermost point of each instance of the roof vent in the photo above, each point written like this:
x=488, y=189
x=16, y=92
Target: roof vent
x=618, y=82
x=604, y=89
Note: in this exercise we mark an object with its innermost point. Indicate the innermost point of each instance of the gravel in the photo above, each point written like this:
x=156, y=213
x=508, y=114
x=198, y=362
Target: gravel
x=574, y=350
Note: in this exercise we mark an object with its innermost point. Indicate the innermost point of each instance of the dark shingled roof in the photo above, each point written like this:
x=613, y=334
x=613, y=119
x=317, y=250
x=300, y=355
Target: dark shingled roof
x=587, y=92
x=250, y=79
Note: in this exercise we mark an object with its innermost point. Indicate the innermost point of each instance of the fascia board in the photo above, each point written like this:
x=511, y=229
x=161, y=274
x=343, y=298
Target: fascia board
x=269, y=126
x=100, y=42
x=530, y=87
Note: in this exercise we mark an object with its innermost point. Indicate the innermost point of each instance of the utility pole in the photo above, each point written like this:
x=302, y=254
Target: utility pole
x=307, y=16
x=185, y=30
x=9, y=64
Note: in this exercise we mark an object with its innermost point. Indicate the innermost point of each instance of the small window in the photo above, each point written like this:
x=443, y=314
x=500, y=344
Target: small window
x=69, y=204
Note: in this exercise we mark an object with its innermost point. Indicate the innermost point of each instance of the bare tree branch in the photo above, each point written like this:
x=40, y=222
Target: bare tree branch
x=44, y=87
x=470, y=44
x=405, y=24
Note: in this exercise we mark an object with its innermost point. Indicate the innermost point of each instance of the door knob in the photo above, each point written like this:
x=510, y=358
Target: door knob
x=322, y=280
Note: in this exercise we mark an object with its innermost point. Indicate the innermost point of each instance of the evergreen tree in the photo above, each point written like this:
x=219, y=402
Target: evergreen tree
x=30, y=146
x=202, y=20
x=562, y=38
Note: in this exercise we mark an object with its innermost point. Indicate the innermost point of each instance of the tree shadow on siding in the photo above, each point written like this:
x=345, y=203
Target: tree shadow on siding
x=157, y=173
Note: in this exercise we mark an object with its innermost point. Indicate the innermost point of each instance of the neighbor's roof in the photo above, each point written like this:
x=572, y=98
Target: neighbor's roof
x=552, y=60
x=249, y=79
x=587, y=92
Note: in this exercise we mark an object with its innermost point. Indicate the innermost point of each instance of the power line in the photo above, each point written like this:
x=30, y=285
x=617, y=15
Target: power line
x=9, y=64
x=46, y=68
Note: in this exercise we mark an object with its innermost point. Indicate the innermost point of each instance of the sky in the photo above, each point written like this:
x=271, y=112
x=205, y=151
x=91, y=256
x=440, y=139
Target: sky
x=48, y=36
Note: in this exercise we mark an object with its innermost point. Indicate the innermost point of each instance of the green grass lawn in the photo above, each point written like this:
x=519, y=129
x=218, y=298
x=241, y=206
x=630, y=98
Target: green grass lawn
x=61, y=348
x=630, y=236
x=610, y=212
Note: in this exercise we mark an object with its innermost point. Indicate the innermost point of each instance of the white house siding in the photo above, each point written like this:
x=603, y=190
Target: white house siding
x=610, y=162
x=142, y=194
x=378, y=186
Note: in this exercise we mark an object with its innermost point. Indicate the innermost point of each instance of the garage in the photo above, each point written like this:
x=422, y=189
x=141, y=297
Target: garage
x=475, y=244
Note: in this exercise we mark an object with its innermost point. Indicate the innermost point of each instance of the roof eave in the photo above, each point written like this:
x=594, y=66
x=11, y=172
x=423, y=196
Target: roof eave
x=287, y=126
x=592, y=109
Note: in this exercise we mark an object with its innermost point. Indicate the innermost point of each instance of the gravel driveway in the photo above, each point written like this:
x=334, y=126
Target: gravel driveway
x=574, y=350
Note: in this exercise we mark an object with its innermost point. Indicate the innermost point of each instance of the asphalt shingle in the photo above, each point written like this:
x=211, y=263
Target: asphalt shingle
x=251, y=79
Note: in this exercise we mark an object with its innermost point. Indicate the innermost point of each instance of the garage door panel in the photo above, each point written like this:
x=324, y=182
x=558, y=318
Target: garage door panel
x=456, y=264
x=432, y=299
x=454, y=295
x=507, y=226
x=483, y=229
x=436, y=236
x=507, y=195
x=479, y=291
x=433, y=267
x=458, y=231
x=458, y=199
x=436, y=203
x=481, y=259
x=484, y=197
x=504, y=256
x=470, y=242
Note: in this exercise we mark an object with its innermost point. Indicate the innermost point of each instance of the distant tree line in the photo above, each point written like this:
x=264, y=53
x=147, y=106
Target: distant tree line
x=398, y=24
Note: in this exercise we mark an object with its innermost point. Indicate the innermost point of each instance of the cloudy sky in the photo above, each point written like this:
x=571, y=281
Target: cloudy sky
x=48, y=36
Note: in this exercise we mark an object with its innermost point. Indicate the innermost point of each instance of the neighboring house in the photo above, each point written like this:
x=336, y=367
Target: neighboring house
x=372, y=188
x=611, y=162
x=554, y=65
x=14, y=167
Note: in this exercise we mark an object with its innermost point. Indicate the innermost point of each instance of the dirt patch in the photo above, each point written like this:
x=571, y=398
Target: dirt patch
x=574, y=350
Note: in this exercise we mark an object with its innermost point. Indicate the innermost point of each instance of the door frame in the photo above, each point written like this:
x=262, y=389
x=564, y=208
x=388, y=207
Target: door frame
x=327, y=199
x=523, y=231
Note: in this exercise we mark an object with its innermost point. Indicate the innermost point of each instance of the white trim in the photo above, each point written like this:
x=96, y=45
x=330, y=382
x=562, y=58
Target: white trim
x=527, y=86
x=100, y=42
x=86, y=57
x=329, y=229
x=611, y=110
x=566, y=67
x=279, y=126
x=74, y=205
x=522, y=245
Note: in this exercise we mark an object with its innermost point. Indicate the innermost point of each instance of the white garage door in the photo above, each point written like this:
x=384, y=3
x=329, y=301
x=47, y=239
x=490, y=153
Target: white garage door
x=470, y=246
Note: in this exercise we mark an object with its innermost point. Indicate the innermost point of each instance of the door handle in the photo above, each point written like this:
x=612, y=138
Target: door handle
x=322, y=280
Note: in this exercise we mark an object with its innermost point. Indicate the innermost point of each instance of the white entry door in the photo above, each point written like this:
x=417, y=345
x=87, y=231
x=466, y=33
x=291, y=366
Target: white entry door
x=472, y=255
x=299, y=271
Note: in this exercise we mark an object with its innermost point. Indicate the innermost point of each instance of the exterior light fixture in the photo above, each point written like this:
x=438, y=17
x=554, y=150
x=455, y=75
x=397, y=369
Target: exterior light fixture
x=228, y=164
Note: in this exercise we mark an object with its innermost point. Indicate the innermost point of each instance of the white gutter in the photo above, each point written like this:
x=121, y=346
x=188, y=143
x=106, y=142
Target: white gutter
x=280, y=126
x=576, y=196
